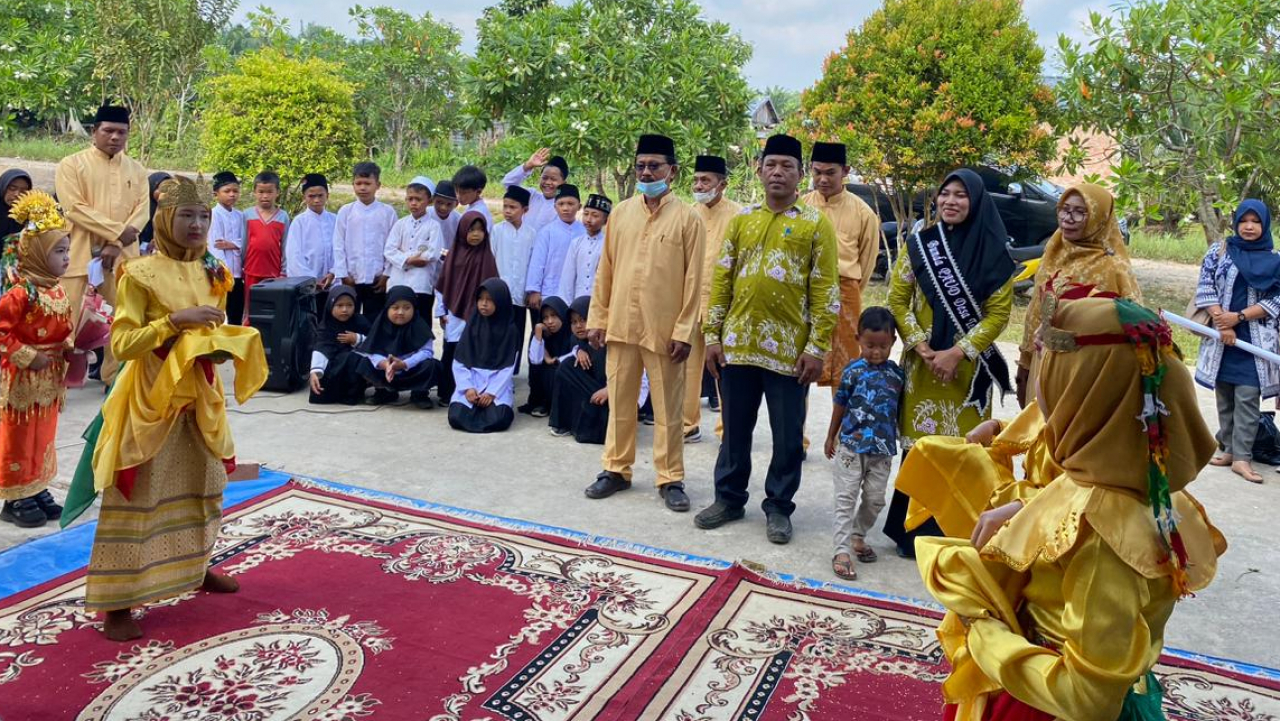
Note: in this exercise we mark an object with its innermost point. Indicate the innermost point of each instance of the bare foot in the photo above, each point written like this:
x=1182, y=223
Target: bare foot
x=1244, y=469
x=120, y=626
x=219, y=583
x=1221, y=459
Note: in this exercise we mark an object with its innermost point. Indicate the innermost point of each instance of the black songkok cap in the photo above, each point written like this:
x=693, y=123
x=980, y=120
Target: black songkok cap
x=518, y=194
x=313, y=180
x=444, y=189
x=710, y=164
x=600, y=203
x=226, y=177
x=567, y=191
x=112, y=114
x=783, y=145
x=656, y=145
x=829, y=153
x=559, y=163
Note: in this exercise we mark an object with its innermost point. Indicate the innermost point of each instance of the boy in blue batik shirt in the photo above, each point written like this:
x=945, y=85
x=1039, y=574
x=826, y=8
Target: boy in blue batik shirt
x=863, y=438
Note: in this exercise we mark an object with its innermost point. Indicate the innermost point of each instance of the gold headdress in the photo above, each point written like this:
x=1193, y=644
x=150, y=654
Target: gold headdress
x=24, y=261
x=183, y=191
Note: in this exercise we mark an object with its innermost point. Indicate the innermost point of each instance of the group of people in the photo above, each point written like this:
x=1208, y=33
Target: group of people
x=1058, y=583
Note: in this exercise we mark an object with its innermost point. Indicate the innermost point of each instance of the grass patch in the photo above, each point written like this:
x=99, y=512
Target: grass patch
x=51, y=149
x=1188, y=248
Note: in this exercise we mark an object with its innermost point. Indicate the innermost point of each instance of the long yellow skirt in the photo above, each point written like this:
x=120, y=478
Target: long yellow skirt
x=156, y=544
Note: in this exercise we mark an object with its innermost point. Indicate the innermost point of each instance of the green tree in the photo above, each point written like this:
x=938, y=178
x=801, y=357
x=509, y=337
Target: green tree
x=149, y=54
x=925, y=86
x=408, y=69
x=1190, y=89
x=586, y=79
x=279, y=113
x=46, y=61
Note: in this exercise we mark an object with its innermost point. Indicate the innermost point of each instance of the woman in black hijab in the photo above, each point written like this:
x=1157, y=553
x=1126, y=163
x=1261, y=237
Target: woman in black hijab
x=333, y=357
x=581, y=404
x=13, y=183
x=484, y=364
x=148, y=231
x=952, y=294
x=398, y=351
x=550, y=341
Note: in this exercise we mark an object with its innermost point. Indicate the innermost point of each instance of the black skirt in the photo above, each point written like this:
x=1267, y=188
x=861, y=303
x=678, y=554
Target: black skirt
x=542, y=384
x=571, y=407
x=494, y=419
x=342, y=381
x=417, y=380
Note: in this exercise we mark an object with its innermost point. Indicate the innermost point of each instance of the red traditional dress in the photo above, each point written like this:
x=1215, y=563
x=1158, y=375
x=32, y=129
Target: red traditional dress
x=31, y=399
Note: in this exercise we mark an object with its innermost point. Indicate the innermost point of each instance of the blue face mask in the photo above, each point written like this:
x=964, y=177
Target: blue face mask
x=652, y=189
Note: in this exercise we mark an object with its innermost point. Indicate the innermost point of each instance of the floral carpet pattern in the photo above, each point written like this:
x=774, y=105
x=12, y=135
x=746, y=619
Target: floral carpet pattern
x=353, y=608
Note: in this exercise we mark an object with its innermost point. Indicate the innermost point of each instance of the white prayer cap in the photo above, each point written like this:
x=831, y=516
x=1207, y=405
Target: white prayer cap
x=424, y=181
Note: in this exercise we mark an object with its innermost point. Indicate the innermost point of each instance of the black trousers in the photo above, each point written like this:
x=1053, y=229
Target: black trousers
x=518, y=320
x=446, y=384
x=417, y=381
x=235, y=304
x=423, y=306
x=741, y=389
x=371, y=301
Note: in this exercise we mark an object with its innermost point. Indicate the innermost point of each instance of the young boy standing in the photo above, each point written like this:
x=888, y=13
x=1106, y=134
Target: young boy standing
x=310, y=249
x=542, y=204
x=414, y=249
x=550, y=249
x=359, y=239
x=444, y=200
x=226, y=238
x=266, y=231
x=862, y=438
x=469, y=184
x=512, y=247
x=578, y=275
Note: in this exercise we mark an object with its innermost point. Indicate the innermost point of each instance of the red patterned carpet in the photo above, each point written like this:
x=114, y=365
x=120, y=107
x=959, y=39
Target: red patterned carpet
x=359, y=609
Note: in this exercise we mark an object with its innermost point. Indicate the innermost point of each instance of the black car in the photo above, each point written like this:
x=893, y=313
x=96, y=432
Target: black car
x=1028, y=208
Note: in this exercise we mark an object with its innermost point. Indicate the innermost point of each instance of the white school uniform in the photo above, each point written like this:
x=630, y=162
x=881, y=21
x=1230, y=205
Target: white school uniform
x=500, y=383
x=228, y=225
x=359, y=239
x=309, y=247
x=542, y=210
x=512, y=248
x=414, y=237
x=578, y=275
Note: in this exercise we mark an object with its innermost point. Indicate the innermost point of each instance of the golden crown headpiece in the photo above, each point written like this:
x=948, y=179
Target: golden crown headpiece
x=180, y=190
x=38, y=212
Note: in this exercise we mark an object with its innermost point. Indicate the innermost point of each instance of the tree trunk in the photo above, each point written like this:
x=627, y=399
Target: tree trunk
x=1208, y=215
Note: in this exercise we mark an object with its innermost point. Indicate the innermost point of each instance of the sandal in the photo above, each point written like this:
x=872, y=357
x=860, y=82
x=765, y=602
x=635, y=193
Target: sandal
x=1244, y=469
x=844, y=569
x=1221, y=459
x=866, y=554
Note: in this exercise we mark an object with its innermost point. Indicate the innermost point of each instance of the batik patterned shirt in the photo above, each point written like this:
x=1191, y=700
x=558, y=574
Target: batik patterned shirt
x=775, y=293
x=869, y=395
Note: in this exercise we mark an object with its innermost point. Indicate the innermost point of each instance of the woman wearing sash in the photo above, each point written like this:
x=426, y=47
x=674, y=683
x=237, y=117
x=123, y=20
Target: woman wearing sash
x=951, y=293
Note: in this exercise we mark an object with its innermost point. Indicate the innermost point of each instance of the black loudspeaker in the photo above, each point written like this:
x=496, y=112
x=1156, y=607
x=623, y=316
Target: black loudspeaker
x=284, y=311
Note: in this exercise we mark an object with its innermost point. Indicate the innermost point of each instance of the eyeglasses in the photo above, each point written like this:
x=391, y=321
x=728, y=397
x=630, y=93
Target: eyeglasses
x=1073, y=214
x=651, y=167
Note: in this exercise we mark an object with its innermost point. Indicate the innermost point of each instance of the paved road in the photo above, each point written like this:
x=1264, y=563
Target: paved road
x=527, y=474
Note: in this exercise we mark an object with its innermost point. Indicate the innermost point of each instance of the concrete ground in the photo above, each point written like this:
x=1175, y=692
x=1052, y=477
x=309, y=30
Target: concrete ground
x=527, y=474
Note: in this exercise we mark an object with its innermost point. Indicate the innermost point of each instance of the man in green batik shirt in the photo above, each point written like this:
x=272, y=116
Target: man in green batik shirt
x=774, y=301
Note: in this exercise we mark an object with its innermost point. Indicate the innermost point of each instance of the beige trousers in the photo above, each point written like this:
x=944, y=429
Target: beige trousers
x=623, y=369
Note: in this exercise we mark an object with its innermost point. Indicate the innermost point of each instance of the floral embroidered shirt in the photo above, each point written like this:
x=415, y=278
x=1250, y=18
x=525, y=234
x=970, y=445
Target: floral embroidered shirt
x=775, y=293
x=869, y=395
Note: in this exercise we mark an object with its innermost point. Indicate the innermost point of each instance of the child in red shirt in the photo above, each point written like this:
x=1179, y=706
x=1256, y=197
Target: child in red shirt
x=266, y=227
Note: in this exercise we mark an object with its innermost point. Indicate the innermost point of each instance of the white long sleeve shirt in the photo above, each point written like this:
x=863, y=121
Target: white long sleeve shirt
x=542, y=210
x=547, y=261
x=482, y=208
x=309, y=250
x=228, y=225
x=414, y=237
x=512, y=248
x=448, y=226
x=411, y=361
x=500, y=383
x=359, y=238
x=578, y=274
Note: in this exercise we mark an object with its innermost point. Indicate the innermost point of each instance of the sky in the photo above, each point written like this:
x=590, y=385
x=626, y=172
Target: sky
x=791, y=38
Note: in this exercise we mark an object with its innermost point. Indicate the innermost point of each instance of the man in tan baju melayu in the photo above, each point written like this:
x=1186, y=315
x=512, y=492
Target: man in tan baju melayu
x=645, y=308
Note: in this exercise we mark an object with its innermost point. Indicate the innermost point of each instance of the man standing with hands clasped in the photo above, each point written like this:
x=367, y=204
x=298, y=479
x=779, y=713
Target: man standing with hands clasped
x=106, y=197
x=774, y=300
x=645, y=307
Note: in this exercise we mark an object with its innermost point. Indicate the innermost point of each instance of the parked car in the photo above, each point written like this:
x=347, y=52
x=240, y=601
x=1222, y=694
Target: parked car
x=1027, y=206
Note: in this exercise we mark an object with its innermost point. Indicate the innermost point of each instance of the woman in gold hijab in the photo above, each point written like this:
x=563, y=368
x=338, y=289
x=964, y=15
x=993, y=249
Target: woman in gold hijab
x=1061, y=614
x=164, y=447
x=1089, y=249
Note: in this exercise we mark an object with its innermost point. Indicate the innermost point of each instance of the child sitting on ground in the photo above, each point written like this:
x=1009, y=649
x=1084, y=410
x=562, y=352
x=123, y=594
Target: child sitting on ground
x=862, y=438
x=333, y=357
x=399, y=353
x=485, y=364
x=551, y=342
x=35, y=328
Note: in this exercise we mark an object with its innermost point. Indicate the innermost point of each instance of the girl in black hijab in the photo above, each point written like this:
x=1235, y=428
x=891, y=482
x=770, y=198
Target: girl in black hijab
x=333, y=357
x=550, y=343
x=148, y=232
x=13, y=183
x=484, y=364
x=581, y=404
x=398, y=351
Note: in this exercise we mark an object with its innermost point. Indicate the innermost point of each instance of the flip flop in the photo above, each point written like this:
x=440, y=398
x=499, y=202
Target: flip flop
x=866, y=555
x=844, y=569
